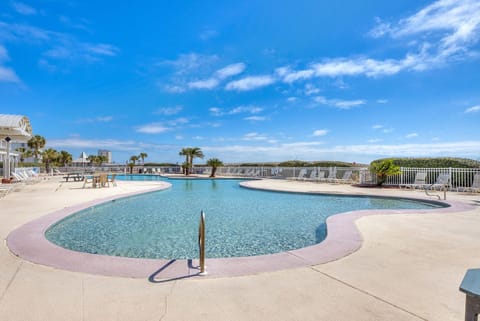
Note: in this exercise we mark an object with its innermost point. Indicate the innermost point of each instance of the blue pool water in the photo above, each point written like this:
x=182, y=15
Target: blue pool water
x=240, y=222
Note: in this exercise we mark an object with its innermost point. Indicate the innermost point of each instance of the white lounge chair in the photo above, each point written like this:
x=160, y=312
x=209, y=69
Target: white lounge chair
x=420, y=181
x=475, y=187
x=347, y=178
x=442, y=182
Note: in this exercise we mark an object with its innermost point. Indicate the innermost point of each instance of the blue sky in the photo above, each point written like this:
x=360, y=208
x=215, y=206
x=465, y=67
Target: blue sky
x=246, y=80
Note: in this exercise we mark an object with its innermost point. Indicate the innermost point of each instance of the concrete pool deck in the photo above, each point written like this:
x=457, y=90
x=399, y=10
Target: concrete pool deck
x=409, y=267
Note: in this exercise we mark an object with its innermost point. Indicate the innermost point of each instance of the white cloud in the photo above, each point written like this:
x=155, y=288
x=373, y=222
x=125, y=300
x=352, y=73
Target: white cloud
x=8, y=75
x=374, y=140
x=186, y=64
x=153, y=128
x=24, y=9
x=250, y=83
x=175, y=89
x=256, y=118
x=377, y=126
x=311, y=90
x=215, y=111
x=473, y=109
x=382, y=101
x=254, y=137
x=168, y=111
x=98, y=119
x=339, y=103
x=387, y=130
x=320, y=132
x=209, y=83
x=411, y=135
x=208, y=34
x=230, y=70
x=246, y=109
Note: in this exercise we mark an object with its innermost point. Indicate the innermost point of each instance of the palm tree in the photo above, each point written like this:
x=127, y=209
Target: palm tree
x=36, y=143
x=64, y=158
x=92, y=159
x=133, y=159
x=49, y=156
x=143, y=156
x=185, y=152
x=100, y=159
x=24, y=153
x=194, y=152
x=214, y=163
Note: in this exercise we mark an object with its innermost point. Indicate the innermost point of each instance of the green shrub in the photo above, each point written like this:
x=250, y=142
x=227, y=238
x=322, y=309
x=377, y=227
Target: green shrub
x=435, y=162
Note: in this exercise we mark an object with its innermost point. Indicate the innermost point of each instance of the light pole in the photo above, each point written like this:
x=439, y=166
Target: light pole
x=6, y=165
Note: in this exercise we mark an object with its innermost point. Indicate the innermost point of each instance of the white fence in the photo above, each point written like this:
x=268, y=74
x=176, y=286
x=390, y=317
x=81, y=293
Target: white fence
x=459, y=177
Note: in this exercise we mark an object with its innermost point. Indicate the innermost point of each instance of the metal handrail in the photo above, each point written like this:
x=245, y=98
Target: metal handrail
x=201, y=243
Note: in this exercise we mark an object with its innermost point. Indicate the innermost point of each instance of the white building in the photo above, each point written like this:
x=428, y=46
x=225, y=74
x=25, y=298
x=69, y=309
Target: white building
x=107, y=154
x=13, y=128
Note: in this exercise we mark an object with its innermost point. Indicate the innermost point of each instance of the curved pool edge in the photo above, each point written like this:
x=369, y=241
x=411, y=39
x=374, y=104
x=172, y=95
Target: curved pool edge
x=29, y=242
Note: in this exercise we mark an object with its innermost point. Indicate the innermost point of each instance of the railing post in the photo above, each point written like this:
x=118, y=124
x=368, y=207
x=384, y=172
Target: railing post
x=201, y=243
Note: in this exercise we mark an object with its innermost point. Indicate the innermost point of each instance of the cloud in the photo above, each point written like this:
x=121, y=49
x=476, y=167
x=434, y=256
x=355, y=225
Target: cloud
x=320, y=132
x=311, y=90
x=382, y=101
x=186, y=64
x=6, y=74
x=411, y=135
x=377, y=126
x=24, y=9
x=230, y=70
x=256, y=118
x=203, y=84
x=473, y=109
x=250, y=83
x=208, y=34
x=374, y=140
x=99, y=119
x=237, y=110
x=168, y=111
x=339, y=103
x=254, y=137
x=152, y=128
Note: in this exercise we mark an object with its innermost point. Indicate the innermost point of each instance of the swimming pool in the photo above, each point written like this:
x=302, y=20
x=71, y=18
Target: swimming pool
x=240, y=222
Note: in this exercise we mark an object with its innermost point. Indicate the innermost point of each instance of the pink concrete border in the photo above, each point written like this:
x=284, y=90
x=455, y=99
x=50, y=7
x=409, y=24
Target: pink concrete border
x=29, y=243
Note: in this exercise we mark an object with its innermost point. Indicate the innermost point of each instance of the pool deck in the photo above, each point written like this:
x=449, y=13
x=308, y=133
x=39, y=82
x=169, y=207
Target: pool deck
x=408, y=267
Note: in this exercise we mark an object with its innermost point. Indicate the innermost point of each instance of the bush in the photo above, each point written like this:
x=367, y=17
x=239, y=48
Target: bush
x=435, y=162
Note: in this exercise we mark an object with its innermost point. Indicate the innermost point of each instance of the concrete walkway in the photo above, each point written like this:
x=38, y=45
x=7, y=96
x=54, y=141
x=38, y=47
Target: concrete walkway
x=408, y=268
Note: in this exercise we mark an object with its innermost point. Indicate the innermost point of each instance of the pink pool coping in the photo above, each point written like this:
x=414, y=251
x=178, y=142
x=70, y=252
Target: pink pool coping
x=28, y=242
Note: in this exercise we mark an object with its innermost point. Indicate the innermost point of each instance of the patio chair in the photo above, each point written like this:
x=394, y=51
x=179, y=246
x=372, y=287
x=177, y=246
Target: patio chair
x=332, y=176
x=301, y=175
x=475, y=187
x=420, y=181
x=313, y=175
x=347, y=178
x=111, y=179
x=5, y=189
x=442, y=182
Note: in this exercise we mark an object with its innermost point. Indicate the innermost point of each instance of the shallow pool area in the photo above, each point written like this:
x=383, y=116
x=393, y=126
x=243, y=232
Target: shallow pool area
x=240, y=222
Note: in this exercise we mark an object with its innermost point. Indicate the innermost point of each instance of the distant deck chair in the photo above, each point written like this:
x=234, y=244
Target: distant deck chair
x=313, y=175
x=347, y=178
x=442, y=182
x=301, y=174
x=420, y=181
x=475, y=187
x=332, y=176
x=4, y=189
x=111, y=179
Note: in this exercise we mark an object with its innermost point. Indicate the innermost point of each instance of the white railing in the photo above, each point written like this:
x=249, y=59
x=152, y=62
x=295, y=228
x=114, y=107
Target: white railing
x=459, y=177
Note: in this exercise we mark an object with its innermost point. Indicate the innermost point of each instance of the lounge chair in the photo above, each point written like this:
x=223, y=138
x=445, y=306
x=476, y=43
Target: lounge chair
x=111, y=179
x=313, y=176
x=420, y=181
x=347, y=178
x=442, y=182
x=475, y=187
x=5, y=189
x=332, y=176
x=301, y=175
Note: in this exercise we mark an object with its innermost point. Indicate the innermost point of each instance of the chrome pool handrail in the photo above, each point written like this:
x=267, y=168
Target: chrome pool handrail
x=201, y=243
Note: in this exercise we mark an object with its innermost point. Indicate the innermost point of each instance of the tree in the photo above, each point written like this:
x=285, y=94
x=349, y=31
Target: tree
x=133, y=159
x=143, y=156
x=92, y=159
x=36, y=143
x=194, y=152
x=185, y=152
x=24, y=153
x=49, y=156
x=100, y=159
x=64, y=158
x=214, y=163
x=383, y=169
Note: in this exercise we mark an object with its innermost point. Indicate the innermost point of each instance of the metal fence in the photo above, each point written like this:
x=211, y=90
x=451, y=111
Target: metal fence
x=459, y=177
